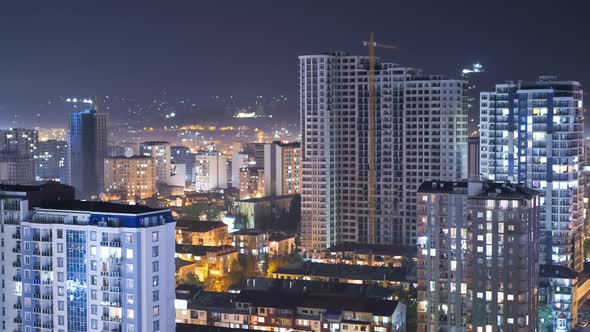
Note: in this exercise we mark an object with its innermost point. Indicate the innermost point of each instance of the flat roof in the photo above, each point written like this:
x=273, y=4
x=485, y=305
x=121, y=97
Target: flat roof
x=443, y=187
x=377, y=249
x=492, y=190
x=199, y=226
x=345, y=271
x=289, y=300
x=267, y=198
x=99, y=207
x=203, y=250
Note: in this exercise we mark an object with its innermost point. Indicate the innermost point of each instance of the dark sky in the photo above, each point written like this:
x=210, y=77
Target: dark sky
x=247, y=48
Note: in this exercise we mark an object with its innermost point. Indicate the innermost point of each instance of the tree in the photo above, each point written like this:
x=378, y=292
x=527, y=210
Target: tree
x=278, y=261
x=545, y=318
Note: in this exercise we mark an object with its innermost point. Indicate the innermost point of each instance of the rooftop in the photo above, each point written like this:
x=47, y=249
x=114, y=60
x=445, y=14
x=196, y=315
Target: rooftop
x=443, y=187
x=99, y=207
x=128, y=157
x=377, y=249
x=283, y=300
x=316, y=287
x=198, y=226
x=203, y=250
x=492, y=190
x=268, y=198
x=556, y=271
x=345, y=271
x=251, y=232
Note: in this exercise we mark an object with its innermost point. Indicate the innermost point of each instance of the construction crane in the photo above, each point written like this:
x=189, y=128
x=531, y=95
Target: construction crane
x=372, y=44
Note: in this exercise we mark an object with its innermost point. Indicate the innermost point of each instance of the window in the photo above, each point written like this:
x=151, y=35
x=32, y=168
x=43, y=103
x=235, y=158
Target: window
x=60, y=320
x=129, y=268
x=60, y=262
x=60, y=276
x=156, y=310
x=130, y=328
x=130, y=284
x=129, y=238
x=156, y=281
x=93, y=236
x=156, y=325
x=93, y=265
x=130, y=298
x=129, y=253
x=154, y=236
x=155, y=266
x=130, y=314
x=60, y=247
x=155, y=251
x=92, y=250
x=156, y=296
x=93, y=295
x=60, y=234
x=60, y=305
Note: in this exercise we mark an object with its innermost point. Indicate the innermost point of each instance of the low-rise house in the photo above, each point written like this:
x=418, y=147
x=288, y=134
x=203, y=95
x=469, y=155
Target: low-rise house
x=208, y=260
x=202, y=233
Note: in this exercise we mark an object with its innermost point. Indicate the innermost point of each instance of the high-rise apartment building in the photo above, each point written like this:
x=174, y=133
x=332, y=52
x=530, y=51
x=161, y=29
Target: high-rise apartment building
x=420, y=134
x=50, y=161
x=475, y=83
x=130, y=179
x=87, y=148
x=20, y=141
x=93, y=266
x=16, y=205
x=504, y=221
x=444, y=293
x=210, y=171
x=282, y=168
x=532, y=133
x=160, y=151
x=16, y=169
x=183, y=155
x=478, y=262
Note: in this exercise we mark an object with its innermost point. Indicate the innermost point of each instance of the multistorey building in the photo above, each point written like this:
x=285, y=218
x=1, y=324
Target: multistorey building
x=251, y=182
x=210, y=170
x=444, y=290
x=478, y=263
x=420, y=134
x=20, y=141
x=87, y=148
x=160, y=151
x=93, y=266
x=16, y=205
x=504, y=221
x=282, y=168
x=15, y=169
x=130, y=179
x=50, y=161
x=532, y=133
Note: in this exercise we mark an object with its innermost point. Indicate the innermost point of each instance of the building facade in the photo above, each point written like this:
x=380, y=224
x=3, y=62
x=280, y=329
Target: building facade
x=420, y=134
x=91, y=266
x=282, y=168
x=15, y=169
x=444, y=293
x=160, y=152
x=130, y=179
x=504, y=220
x=210, y=171
x=50, y=161
x=87, y=148
x=532, y=133
x=20, y=141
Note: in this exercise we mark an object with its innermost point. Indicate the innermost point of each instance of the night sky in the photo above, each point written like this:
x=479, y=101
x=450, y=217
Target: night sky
x=248, y=48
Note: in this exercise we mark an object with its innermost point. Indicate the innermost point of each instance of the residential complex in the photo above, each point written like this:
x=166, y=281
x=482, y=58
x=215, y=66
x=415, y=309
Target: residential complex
x=130, y=179
x=532, y=133
x=160, y=152
x=50, y=161
x=276, y=308
x=92, y=266
x=20, y=141
x=420, y=134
